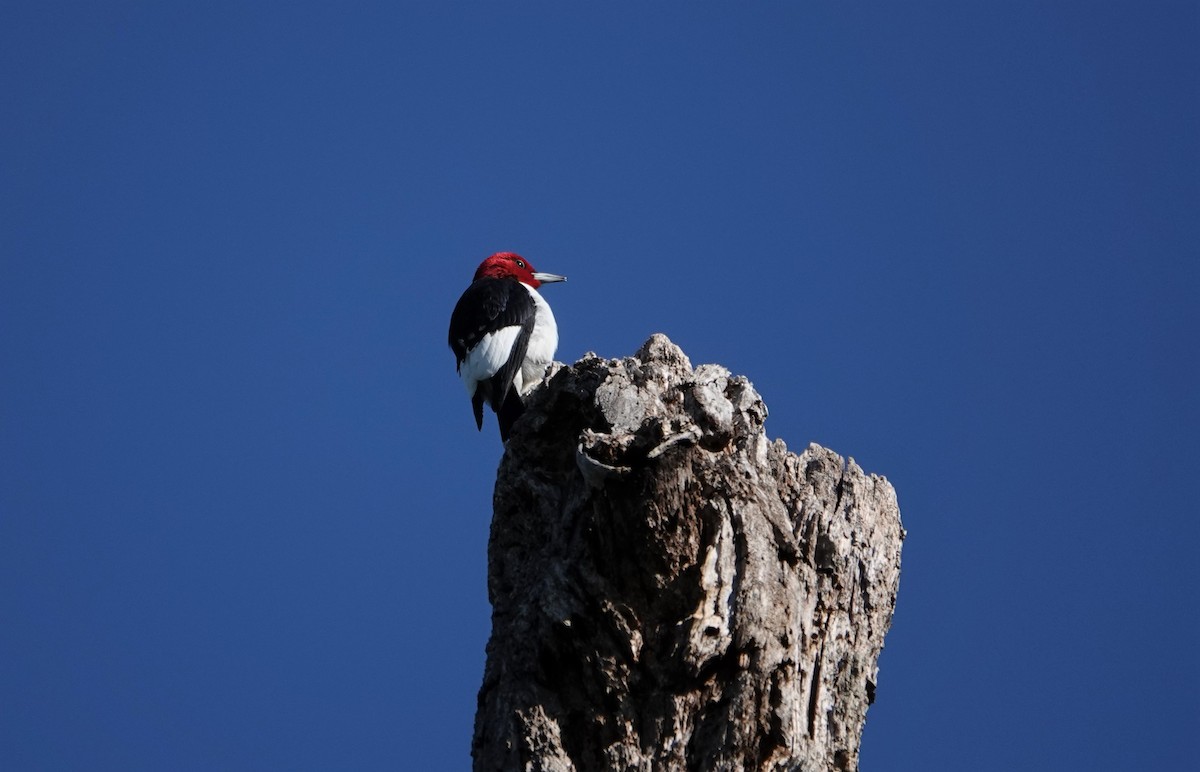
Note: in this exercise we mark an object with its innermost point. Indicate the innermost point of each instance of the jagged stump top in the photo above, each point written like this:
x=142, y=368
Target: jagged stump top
x=671, y=589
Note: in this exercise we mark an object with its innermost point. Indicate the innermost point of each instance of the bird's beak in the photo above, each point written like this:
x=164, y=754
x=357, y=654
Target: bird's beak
x=546, y=278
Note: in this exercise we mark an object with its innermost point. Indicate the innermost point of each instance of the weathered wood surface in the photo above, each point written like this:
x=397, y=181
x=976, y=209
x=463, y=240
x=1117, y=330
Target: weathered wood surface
x=673, y=591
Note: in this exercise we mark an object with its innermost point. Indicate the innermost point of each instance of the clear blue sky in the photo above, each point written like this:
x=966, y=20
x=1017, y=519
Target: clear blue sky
x=243, y=505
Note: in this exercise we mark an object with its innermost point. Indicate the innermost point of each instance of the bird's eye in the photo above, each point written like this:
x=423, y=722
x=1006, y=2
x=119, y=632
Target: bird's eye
x=520, y=263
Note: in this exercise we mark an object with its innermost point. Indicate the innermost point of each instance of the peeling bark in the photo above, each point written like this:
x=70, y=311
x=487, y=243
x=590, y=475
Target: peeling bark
x=670, y=589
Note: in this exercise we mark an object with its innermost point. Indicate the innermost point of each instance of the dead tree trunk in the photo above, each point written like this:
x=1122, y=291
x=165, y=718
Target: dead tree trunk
x=671, y=590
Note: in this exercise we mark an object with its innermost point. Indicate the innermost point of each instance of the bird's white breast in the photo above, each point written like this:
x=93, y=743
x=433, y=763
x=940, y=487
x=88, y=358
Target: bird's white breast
x=543, y=342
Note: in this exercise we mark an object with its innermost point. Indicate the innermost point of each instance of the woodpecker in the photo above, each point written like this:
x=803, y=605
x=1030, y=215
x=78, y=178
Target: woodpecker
x=503, y=336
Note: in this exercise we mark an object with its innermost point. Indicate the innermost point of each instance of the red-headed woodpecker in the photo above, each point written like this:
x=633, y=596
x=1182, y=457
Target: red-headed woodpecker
x=503, y=335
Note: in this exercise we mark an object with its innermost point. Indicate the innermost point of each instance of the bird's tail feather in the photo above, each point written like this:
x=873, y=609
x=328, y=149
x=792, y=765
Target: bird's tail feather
x=508, y=413
x=477, y=408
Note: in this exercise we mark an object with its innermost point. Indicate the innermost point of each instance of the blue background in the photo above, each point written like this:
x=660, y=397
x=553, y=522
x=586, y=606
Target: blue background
x=243, y=505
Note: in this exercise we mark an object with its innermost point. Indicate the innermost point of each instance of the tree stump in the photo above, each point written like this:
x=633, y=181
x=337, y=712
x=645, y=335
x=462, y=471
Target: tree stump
x=670, y=589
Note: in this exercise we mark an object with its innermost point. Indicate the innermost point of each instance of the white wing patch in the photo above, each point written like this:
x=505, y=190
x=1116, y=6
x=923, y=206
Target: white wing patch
x=486, y=359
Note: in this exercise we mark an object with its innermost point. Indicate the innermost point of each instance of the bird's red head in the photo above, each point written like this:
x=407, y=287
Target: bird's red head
x=505, y=265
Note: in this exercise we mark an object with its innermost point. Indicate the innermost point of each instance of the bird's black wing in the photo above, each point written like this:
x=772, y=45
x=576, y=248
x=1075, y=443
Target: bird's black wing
x=488, y=305
x=502, y=381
